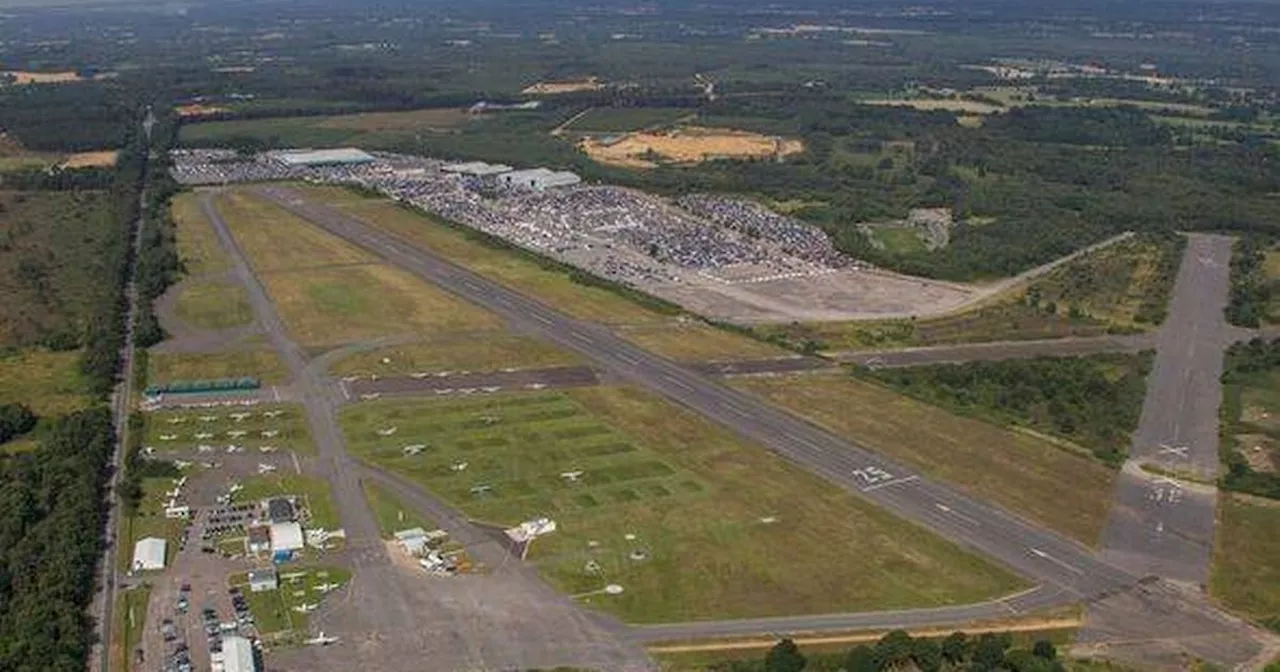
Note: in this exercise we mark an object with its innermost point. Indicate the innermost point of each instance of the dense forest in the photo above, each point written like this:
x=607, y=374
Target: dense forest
x=51, y=518
x=1094, y=402
x=1249, y=366
x=898, y=650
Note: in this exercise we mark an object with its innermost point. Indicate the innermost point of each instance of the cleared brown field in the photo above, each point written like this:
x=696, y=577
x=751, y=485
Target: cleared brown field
x=28, y=77
x=1017, y=471
x=689, y=144
x=552, y=88
x=434, y=119
x=91, y=159
x=196, y=110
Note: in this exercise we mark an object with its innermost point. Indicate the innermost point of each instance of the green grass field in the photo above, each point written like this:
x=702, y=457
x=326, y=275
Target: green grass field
x=690, y=521
x=49, y=382
x=262, y=364
x=1021, y=472
x=697, y=342
x=274, y=239
x=129, y=618
x=198, y=245
x=1120, y=289
x=477, y=352
x=553, y=287
x=149, y=521
x=899, y=240
x=1246, y=564
x=319, y=504
x=51, y=263
x=286, y=428
x=276, y=613
x=392, y=516
x=622, y=119
x=364, y=128
x=213, y=305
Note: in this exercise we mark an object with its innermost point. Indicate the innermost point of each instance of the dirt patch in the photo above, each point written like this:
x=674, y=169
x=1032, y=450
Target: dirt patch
x=197, y=110
x=570, y=86
x=690, y=144
x=400, y=557
x=99, y=159
x=412, y=120
x=1259, y=450
x=27, y=77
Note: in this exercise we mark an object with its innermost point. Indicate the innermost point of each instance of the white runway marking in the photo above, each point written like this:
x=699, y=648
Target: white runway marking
x=950, y=511
x=1045, y=556
x=677, y=382
x=886, y=484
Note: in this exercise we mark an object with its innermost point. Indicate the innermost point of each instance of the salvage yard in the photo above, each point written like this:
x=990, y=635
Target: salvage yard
x=691, y=522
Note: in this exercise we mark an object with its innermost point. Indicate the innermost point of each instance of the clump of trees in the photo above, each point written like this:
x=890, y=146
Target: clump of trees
x=898, y=650
x=15, y=420
x=51, y=518
x=1092, y=401
x=1250, y=295
x=1247, y=364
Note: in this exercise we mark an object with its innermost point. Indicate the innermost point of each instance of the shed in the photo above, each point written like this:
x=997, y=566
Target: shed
x=148, y=554
x=263, y=579
x=259, y=539
x=286, y=537
x=413, y=539
x=237, y=655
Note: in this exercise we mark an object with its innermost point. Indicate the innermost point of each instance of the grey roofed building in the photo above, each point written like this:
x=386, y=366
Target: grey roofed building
x=538, y=179
x=324, y=157
x=263, y=579
x=280, y=510
x=237, y=655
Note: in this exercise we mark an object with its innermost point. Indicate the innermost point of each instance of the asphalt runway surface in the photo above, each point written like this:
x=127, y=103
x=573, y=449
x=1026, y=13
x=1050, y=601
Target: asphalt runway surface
x=1067, y=571
x=1057, y=562
x=998, y=350
x=392, y=618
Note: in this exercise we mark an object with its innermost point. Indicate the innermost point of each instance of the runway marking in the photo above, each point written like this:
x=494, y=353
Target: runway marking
x=950, y=511
x=345, y=394
x=900, y=481
x=677, y=382
x=539, y=317
x=626, y=357
x=872, y=475
x=1045, y=556
x=1180, y=451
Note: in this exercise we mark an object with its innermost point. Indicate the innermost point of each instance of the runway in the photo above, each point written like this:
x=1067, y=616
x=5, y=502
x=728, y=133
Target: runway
x=1067, y=571
x=997, y=351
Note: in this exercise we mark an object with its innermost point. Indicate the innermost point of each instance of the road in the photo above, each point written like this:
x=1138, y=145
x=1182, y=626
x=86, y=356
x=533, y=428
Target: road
x=120, y=399
x=506, y=620
x=1056, y=562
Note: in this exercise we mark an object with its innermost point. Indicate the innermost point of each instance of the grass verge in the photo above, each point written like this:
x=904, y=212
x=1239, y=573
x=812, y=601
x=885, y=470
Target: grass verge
x=262, y=364
x=213, y=305
x=478, y=352
x=1246, y=563
x=1022, y=473
x=691, y=522
x=129, y=619
x=198, y=245
x=697, y=342
x=392, y=516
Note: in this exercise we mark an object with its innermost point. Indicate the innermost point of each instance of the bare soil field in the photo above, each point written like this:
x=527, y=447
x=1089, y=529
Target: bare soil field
x=27, y=77
x=432, y=119
x=690, y=144
x=104, y=158
x=568, y=86
x=197, y=110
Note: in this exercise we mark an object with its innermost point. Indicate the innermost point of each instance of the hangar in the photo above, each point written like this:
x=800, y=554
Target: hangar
x=344, y=156
x=148, y=554
x=538, y=179
x=237, y=655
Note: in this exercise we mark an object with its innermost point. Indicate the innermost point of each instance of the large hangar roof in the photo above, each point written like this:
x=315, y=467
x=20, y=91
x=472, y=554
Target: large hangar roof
x=325, y=157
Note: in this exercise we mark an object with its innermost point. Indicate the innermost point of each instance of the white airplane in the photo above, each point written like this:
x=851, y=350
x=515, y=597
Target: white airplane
x=235, y=487
x=326, y=587
x=419, y=375
x=181, y=464
x=272, y=414
x=204, y=435
x=305, y=608
x=321, y=640
x=535, y=386
x=571, y=476
x=150, y=450
x=270, y=433
x=239, y=417
x=370, y=396
x=236, y=433
x=177, y=421
x=267, y=449
x=413, y=449
x=350, y=379
x=492, y=388
x=459, y=466
x=444, y=390
x=168, y=437
x=204, y=448
x=264, y=468
x=208, y=418
x=388, y=431
x=233, y=448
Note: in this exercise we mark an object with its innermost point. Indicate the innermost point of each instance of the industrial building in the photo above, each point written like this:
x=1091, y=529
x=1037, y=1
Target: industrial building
x=345, y=156
x=538, y=179
x=285, y=539
x=259, y=539
x=237, y=655
x=148, y=554
x=263, y=579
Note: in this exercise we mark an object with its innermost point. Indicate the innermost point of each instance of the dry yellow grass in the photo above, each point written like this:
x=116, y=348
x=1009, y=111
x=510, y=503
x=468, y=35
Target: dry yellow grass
x=275, y=240
x=263, y=364
x=697, y=342
x=28, y=77
x=91, y=159
x=1022, y=473
x=689, y=144
x=460, y=352
x=342, y=304
x=198, y=245
x=552, y=88
x=48, y=382
x=967, y=106
x=412, y=120
x=196, y=110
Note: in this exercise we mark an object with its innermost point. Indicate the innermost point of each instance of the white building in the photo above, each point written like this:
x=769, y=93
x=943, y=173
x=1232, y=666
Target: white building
x=345, y=156
x=237, y=655
x=477, y=168
x=286, y=537
x=263, y=579
x=538, y=179
x=530, y=529
x=148, y=554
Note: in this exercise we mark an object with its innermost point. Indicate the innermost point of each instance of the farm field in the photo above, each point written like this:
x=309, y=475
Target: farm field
x=285, y=429
x=625, y=119
x=329, y=130
x=47, y=381
x=686, y=145
x=698, y=342
x=479, y=352
x=213, y=305
x=99, y=159
x=691, y=522
x=314, y=492
x=1020, y=472
x=163, y=367
x=964, y=106
x=51, y=266
x=1123, y=288
x=1246, y=564
x=552, y=286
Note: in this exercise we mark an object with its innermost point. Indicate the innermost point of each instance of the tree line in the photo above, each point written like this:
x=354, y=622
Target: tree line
x=898, y=650
x=1250, y=364
x=1248, y=303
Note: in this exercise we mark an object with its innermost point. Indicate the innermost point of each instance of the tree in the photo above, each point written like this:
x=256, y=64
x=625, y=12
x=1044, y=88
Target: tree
x=1045, y=649
x=861, y=658
x=988, y=652
x=785, y=656
x=894, y=649
x=955, y=648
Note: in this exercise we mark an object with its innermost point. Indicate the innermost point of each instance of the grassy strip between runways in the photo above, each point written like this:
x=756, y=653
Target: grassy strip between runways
x=1246, y=564
x=483, y=351
x=1022, y=473
x=693, y=523
x=263, y=364
x=198, y=245
x=213, y=305
x=391, y=514
x=274, y=239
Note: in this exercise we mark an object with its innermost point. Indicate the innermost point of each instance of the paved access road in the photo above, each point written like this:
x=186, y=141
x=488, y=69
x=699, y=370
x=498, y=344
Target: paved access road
x=1057, y=562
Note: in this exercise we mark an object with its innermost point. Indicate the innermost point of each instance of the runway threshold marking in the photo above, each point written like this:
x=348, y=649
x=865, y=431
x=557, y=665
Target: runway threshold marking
x=677, y=382
x=542, y=318
x=1045, y=556
x=896, y=481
